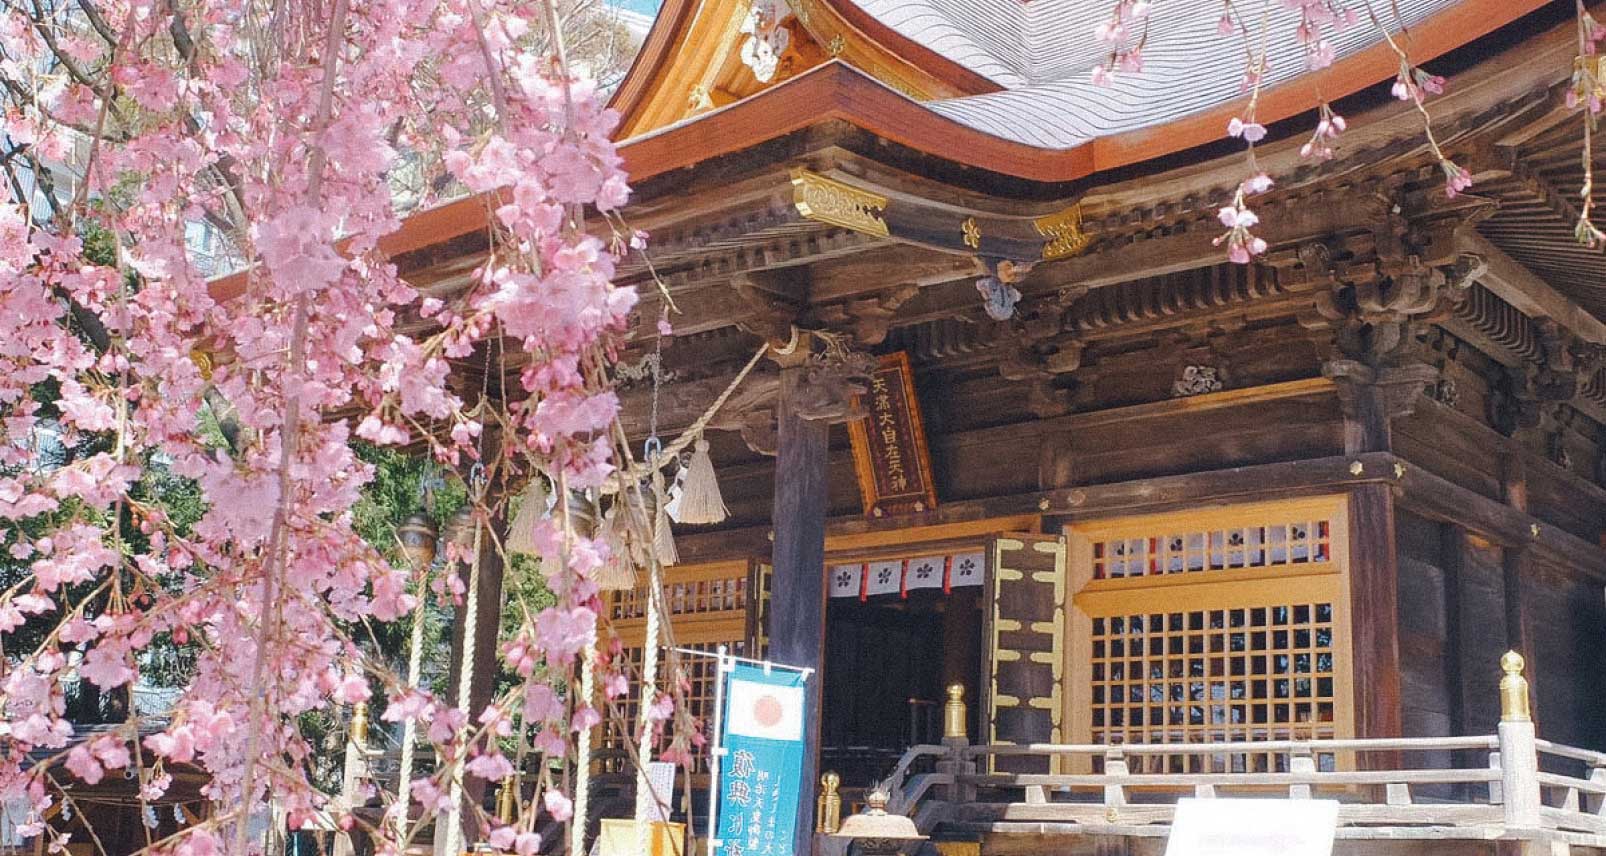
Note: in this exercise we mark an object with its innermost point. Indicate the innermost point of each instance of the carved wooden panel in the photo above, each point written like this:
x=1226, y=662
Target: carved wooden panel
x=1026, y=650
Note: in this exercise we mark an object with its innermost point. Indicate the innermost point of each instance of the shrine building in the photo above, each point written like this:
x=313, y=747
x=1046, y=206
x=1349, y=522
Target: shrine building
x=1170, y=525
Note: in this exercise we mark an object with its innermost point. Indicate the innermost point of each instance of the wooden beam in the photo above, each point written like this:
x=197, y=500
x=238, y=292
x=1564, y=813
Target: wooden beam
x=1439, y=499
x=1286, y=222
x=1532, y=296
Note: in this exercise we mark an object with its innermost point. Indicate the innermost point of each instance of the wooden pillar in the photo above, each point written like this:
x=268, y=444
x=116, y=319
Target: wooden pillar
x=1372, y=399
x=1517, y=567
x=1374, y=610
x=797, y=587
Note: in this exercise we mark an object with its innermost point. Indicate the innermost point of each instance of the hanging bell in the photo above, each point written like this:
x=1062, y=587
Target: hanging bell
x=460, y=530
x=418, y=538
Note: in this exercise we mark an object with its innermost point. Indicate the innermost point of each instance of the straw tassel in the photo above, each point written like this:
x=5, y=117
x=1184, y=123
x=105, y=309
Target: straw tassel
x=700, y=501
x=619, y=572
x=663, y=540
x=532, y=510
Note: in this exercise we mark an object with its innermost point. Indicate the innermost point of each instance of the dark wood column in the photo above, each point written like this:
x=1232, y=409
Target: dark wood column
x=797, y=589
x=1372, y=398
x=1517, y=567
x=816, y=390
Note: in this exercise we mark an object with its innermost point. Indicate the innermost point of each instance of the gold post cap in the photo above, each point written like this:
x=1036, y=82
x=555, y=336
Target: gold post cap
x=954, y=714
x=830, y=780
x=359, y=723
x=1514, y=706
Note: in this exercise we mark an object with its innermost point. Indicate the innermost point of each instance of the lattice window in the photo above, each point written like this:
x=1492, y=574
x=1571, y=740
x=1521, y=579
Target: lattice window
x=1226, y=624
x=688, y=597
x=1211, y=676
x=709, y=606
x=1265, y=545
x=700, y=672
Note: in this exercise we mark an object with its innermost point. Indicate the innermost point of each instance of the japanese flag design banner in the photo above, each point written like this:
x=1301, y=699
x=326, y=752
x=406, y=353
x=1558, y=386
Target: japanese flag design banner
x=765, y=710
x=759, y=785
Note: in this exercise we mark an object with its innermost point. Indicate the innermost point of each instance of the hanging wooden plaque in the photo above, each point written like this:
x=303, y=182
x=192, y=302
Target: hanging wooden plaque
x=889, y=444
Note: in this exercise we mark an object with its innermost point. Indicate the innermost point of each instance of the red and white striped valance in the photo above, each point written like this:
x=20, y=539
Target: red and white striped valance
x=865, y=580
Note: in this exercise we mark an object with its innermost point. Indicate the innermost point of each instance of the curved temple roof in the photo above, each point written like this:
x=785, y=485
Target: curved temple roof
x=1033, y=61
x=1041, y=52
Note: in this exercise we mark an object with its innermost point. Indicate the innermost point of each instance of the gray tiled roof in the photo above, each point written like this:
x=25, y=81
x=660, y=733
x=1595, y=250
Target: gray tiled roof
x=1042, y=53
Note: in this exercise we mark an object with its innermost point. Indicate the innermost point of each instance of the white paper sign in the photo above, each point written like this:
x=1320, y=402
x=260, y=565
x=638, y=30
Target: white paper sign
x=1249, y=827
x=661, y=785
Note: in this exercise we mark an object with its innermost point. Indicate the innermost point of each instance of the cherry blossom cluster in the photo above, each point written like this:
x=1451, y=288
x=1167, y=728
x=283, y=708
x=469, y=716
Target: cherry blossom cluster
x=282, y=131
x=1317, y=18
x=1124, y=35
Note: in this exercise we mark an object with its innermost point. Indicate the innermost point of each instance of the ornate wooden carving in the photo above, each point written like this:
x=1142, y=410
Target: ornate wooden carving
x=830, y=385
x=867, y=318
x=828, y=200
x=1038, y=348
x=776, y=300
x=1375, y=316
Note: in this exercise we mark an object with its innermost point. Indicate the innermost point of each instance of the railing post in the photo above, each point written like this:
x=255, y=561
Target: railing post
x=1115, y=794
x=956, y=737
x=1519, y=757
x=1301, y=762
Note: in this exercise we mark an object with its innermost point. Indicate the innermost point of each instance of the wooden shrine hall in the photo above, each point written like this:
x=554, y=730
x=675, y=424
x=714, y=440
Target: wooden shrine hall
x=1173, y=526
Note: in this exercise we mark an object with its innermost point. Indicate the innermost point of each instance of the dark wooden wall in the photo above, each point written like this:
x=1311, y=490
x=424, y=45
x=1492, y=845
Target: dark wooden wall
x=1568, y=623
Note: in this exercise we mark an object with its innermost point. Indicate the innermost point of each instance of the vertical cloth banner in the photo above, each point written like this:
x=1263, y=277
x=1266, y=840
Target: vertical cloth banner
x=760, y=780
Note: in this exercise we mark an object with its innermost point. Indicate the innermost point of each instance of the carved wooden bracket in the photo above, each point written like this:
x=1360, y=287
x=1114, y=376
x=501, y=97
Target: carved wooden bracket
x=1375, y=317
x=1040, y=347
x=867, y=318
x=775, y=300
x=1396, y=388
x=831, y=384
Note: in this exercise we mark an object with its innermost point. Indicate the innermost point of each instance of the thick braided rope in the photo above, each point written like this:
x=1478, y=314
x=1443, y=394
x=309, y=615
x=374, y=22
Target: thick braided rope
x=415, y=657
x=454, y=819
x=582, y=759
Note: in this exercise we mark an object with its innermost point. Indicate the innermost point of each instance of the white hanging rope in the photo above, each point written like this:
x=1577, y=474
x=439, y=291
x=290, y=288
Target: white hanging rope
x=582, y=759
x=672, y=451
x=415, y=656
x=465, y=682
x=649, y=683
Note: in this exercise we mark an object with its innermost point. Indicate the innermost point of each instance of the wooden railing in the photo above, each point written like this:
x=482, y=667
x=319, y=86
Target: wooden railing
x=1506, y=786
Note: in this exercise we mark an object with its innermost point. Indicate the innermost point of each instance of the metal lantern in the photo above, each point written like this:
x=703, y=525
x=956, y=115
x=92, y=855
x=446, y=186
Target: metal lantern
x=876, y=831
x=418, y=540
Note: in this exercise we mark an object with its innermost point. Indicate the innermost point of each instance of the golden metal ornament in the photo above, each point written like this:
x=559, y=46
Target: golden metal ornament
x=827, y=200
x=971, y=233
x=1063, y=233
x=1513, y=690
x=955, y=718
x=202, y=361
x=828, y=808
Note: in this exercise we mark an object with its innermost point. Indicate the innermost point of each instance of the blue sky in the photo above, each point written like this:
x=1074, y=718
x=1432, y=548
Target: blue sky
x=646, y=7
